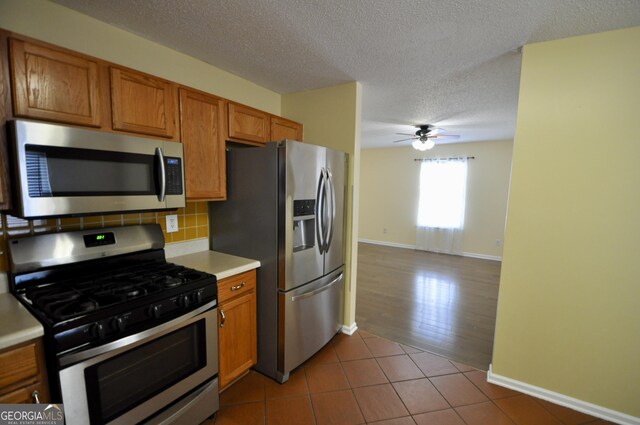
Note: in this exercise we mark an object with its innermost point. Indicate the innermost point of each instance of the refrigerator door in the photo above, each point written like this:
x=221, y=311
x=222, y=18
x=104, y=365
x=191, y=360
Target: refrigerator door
x=336, y=171
x=302, y=167
x=312, y=316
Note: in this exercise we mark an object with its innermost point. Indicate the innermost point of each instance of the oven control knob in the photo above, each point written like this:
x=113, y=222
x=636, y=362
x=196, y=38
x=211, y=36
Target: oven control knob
x=155, y=310
x=118, y=323
x=98, y=331
x=199, y=296
x=185, y=301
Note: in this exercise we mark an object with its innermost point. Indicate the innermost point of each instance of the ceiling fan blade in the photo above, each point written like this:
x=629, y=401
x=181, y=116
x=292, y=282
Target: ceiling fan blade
x=407, y=134
x=437, y=130
x=445, y=137
x=404, y=140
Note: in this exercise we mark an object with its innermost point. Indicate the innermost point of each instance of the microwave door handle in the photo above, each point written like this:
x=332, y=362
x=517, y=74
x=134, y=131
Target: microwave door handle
x=161, y=175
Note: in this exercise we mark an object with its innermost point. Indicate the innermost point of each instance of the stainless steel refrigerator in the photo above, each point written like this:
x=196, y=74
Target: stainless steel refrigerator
x=285, y=207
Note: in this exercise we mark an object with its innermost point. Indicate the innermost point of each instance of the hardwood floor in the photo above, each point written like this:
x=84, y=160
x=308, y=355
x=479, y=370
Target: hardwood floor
x=441, y=303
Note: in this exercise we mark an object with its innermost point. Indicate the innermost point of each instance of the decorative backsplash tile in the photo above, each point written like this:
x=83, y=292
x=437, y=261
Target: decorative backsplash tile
x=193, y=223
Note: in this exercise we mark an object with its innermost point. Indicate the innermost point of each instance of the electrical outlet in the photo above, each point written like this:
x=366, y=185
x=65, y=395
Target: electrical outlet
x=498, y=243
x=172, y=223
x=384, y=230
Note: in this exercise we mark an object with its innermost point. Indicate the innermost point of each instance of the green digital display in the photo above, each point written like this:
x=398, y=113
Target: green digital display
x=99, y=239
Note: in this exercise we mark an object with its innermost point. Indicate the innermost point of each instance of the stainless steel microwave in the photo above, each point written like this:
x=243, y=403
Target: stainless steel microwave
x=62, y=171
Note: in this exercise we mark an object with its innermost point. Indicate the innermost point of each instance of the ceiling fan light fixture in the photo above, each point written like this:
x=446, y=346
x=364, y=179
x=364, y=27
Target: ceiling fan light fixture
x=422, y=145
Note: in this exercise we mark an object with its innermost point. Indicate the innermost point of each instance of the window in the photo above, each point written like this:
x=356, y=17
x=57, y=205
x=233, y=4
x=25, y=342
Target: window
x=443, y=184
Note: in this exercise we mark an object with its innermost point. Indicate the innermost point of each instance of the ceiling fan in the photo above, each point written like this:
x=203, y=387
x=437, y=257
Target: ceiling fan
x=423, y=139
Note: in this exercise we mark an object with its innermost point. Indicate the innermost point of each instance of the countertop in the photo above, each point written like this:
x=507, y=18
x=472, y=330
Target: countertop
x=17, y=325
x=217, y=263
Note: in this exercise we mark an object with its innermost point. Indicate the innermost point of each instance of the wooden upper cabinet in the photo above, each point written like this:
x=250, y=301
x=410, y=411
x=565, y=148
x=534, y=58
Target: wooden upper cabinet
x=202, y=128
x=54, y=85
x=282, y=128
x=144, y=104
x=248, y=124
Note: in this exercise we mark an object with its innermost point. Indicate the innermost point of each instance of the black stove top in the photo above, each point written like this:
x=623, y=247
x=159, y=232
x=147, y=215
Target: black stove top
x=61, y=301
x=86, y=294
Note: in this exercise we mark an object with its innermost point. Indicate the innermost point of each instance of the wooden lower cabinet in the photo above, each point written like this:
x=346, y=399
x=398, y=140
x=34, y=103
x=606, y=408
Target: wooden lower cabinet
x=23, y=375
x=237, y=328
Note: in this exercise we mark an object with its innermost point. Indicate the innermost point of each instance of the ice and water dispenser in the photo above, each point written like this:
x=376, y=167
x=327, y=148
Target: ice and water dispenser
x=304, y=224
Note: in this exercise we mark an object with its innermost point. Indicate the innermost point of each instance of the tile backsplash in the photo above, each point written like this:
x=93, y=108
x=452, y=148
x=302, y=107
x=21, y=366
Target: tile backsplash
x=193, y=223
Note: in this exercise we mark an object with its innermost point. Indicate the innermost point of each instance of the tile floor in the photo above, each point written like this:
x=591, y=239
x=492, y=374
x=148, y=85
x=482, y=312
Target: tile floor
x=364, y=379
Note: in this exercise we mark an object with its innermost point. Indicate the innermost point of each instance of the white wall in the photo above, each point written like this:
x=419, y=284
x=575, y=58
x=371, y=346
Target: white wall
x=389, y=182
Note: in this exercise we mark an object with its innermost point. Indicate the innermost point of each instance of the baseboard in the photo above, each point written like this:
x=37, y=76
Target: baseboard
x=349, y=330
x=385, y=243
x=401, y=245
x=482, y=256
x=562, y=400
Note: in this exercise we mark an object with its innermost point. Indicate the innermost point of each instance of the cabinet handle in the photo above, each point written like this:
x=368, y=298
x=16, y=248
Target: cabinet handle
x=223, y=319
x=34, y=396
x=235, y=288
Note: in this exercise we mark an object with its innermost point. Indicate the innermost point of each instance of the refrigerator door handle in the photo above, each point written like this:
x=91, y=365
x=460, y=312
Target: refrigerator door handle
x=319, y=209
x=325, y=214
x=317, y=291
x=332, y=212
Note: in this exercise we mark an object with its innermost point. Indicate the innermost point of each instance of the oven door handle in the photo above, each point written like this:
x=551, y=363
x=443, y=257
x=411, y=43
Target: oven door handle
x=125, y=343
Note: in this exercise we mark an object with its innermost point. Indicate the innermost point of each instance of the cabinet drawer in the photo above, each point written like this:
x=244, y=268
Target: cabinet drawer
x=236, y=285
x=18, y=365
x=23, y=395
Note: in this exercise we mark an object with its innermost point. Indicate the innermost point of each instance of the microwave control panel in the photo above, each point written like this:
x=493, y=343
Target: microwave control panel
x=173, y=170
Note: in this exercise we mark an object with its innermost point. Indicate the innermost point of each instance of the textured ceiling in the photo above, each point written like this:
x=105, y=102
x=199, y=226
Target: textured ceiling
x=452, y=63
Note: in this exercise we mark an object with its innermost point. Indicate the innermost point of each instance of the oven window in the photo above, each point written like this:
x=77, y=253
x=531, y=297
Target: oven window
x=57, y=171
x=127, y=380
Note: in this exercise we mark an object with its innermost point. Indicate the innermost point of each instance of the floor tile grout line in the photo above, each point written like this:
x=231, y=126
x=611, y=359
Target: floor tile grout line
x=306, y=383
x=353, y=394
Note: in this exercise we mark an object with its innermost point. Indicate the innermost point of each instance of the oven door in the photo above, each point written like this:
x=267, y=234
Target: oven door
x=170, y=370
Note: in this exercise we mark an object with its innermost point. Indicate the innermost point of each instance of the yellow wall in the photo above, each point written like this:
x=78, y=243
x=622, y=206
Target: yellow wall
x=331, y=118
x=64, y=27
x=390, y=187
x=569, y=303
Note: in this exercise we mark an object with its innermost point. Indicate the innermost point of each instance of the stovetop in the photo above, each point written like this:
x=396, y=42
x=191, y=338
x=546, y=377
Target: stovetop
x=61, y=301
x=91, y=287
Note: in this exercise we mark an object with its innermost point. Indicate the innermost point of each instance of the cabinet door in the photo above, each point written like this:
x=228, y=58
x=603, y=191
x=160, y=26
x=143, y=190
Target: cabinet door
x=285, y=129
x=4, y=157
x=237, y=342
x=248, y=124
x=23, y=371
x=143, y=104
x=202, y=123
x=54, y=85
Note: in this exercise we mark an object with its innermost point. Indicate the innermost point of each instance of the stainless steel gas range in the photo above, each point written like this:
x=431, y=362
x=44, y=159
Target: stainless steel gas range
x=129, y=337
